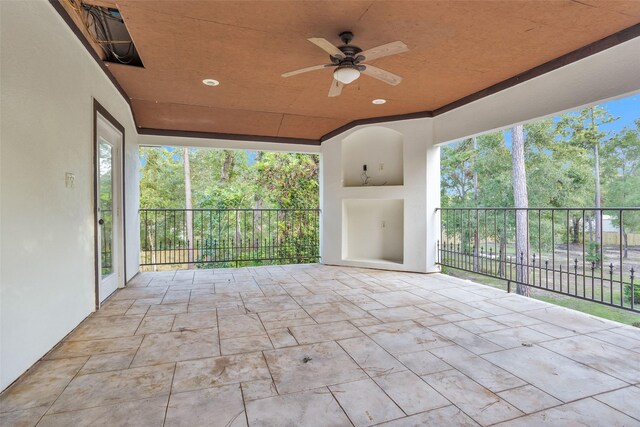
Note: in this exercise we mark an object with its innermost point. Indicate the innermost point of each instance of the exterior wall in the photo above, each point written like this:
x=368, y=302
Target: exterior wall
x=46, y=249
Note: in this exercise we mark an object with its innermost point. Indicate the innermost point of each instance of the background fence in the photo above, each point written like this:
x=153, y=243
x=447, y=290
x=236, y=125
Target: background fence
x=229, y=237
x=562, y=250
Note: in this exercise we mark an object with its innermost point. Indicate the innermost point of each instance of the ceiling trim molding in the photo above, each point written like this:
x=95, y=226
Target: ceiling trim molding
x=576, y=55
x=227, y=136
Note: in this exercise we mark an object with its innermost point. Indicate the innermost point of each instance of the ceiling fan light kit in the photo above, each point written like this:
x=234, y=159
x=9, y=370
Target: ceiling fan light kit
x=348, y=58
x=346, y=74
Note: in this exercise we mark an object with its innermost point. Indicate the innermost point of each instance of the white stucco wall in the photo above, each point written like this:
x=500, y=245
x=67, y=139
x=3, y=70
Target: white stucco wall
x=48, y=82
x=421, y=189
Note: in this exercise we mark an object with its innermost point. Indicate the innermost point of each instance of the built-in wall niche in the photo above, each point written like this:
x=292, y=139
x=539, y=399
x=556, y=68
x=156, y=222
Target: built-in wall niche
x=373, y=230
x=380, y=149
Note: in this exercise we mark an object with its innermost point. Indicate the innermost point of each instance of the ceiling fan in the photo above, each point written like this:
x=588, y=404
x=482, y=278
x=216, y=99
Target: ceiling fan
x=348, y=62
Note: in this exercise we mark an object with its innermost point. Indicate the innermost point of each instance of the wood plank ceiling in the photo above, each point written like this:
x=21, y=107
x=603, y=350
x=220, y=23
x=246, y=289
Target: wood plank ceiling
x=457, y=48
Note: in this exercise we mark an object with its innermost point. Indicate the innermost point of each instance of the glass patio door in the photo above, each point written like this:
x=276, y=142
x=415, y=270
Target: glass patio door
x=108, y=210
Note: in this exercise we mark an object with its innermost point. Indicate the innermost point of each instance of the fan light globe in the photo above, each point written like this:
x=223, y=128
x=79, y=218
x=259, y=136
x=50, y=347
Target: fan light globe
x=346, y=75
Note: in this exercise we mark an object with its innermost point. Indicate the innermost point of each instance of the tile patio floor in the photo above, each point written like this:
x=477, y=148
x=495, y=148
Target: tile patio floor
x=315, y=345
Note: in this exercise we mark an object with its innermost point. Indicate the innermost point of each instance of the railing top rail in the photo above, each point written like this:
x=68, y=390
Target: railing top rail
x=536, y=209
x=227, y=210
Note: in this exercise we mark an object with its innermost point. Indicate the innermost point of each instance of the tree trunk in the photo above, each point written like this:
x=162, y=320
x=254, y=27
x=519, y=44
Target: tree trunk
x=596, y=171
x=521, y=200
x=227, y=165
x=188, y=206
x=626, y=244
x=576, y=230
x=476, y=240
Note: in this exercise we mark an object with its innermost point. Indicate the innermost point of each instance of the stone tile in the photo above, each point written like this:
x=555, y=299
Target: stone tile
x=529, y=399
x=279, y=303
x=519, y=303
x=140, y=309
x=552, y=330
x=243, y=325
x=258, y=389
x=476, y=401
x=155, y=324
x=478, y=369
x=217, y=406
x=586, y=412
x=237, y=287
x=217, y=371
x=515, y=319
x=95, y=328
x=556, y=375
x=423, y=362
x=369, y=321
x=447, y=416
x=610, y=359
x=145, y=412
x=436, y=309
x=405, y=337
x=160, y=309
x=177, y=346
x=372, y=358
x=245, y=344
x=311, y=366
x=200, y=320
x=68, y=349
x=410, y=392
x=310, y=408
x=463, y=338
x=107, y=362
x=365, y=403
x=284, y=319
x=174, y=297
x=107, y=388
x=397, y=298
x=570, y=319
x=334, y=312
x=325, y=332
x=481, y=325
x=490, y=308
x=460, y=295
x=396, y=314
x=515, y=337
x=624, y=400
x=627, y=331
x=282, y=338
x=41, y=385
x=139, y=293
x=23, y=418
x=611, y=337
x=442, y=319
x=113, y=308
x=321, y=298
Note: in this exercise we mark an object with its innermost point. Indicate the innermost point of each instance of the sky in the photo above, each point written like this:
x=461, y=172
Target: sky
x=625, y=109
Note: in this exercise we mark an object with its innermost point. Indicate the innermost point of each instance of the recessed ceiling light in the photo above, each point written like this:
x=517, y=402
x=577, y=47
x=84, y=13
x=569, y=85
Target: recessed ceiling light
x=378, y=101
x=211, y=82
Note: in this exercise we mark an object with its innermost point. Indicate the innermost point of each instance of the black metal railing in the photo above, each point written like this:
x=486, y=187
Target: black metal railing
x=229, y=237
x=591, y=254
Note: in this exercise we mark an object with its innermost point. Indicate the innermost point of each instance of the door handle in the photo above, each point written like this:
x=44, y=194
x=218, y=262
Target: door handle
x=101, y=221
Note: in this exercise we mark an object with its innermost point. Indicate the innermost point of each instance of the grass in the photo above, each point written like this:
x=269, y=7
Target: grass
x=593, y=308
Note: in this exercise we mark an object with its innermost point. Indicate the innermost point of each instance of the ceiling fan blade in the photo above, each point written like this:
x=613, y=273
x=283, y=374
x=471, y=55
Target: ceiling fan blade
x=380, y=74
x=327, y=46
x=336, y=88
x=304, y=70
x=384, y=50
